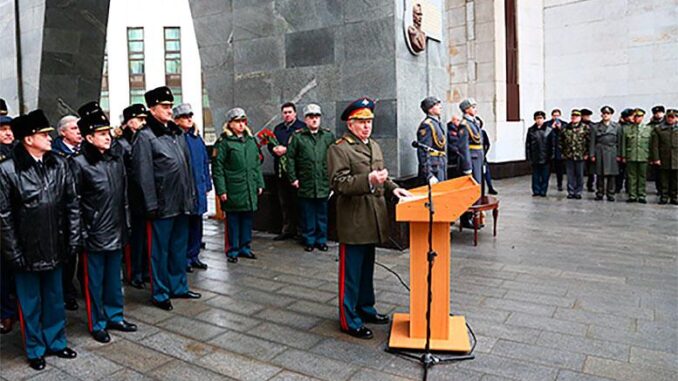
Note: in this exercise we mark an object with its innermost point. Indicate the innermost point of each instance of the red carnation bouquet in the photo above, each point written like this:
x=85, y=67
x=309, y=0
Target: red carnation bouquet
x=265, y=137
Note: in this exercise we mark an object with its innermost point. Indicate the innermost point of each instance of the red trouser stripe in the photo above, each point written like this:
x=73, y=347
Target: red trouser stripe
x=149, y=247
x=88, y=301
x=22, y=323
x=342, y=270
x=128, y=261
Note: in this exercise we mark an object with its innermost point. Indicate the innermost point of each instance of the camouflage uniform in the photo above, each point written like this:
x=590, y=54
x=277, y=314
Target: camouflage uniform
x=574, y=143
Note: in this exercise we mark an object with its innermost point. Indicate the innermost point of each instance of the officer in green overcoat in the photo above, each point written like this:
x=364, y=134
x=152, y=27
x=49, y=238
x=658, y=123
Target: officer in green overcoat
x=665, y=156
x=307, y=172
x=634, y=150
x=360, y=180
x=238, y=181
x=603, y=152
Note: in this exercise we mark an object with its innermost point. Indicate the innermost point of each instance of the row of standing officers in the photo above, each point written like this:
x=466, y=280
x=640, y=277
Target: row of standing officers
x=54, y=208
x=616, y=152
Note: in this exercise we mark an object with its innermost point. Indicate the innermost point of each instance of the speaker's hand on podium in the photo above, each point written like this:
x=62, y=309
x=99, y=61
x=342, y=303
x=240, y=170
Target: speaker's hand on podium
x=402, y=193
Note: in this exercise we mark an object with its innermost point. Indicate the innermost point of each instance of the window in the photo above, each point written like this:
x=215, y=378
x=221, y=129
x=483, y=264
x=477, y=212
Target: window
x=173, y=61
x=104, y=97
x=512, y=85
x=135, y=57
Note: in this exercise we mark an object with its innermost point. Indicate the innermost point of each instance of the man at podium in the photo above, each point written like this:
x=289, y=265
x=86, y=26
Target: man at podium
x=358, y=177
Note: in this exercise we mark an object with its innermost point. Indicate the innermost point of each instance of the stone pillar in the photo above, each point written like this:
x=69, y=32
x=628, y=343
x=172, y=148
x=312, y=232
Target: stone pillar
x=259, y=54
x=60, y=51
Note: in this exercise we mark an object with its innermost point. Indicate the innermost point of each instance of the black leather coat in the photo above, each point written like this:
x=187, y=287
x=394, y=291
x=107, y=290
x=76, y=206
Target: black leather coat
x=162, y=170
x=39, y=211
x=539, y=144
x=101, y=184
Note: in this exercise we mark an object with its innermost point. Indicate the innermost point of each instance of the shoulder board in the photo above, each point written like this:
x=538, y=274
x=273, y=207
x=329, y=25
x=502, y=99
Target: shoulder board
x=325, y=129
x=428, y=122
x=60, y=153
x=339, y=141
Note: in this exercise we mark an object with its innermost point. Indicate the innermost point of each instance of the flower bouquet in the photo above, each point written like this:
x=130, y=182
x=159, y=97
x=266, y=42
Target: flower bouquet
x=265, y=137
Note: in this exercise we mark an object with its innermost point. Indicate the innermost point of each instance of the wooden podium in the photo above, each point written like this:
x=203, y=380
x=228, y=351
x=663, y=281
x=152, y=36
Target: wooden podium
x=448, y=333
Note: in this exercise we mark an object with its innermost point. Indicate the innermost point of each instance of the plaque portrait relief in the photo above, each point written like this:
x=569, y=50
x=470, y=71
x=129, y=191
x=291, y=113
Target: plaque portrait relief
x=422, y=21
x=416, y=36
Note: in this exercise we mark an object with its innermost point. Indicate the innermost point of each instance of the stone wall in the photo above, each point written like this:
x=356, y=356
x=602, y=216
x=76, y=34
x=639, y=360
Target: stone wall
x=62, y=48
x=259, y=54
x=616, y=52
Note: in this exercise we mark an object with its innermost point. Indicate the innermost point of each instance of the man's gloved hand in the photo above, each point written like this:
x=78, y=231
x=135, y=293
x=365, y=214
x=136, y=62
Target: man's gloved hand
x=18, y=263
x=152, y=214
x=74, y=251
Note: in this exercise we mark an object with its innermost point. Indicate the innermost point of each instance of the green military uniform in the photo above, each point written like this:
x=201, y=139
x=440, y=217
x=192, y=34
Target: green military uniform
x=307, y=162
x=665, y=149
x=362, y=221
x=634, y=148
x=236, y=171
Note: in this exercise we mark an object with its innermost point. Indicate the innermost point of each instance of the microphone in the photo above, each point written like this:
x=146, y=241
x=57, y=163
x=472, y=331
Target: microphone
x=416, y=144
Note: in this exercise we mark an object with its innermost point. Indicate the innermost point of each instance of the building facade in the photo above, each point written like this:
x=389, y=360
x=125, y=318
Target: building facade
x=153, y=46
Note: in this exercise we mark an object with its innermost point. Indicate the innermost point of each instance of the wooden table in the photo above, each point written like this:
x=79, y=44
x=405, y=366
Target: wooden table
x=485, y=203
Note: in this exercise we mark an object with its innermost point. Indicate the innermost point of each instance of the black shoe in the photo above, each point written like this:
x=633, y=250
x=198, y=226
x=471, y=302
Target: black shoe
x=231, y=259
x=165, y=305
x=642, y=201
x=543, y=195
x=101, y=336
x=7, y=325
x=189, y=269
x=610, y=198
x=599, y=198
x=203, y=245
x=198, y=264
x=535, y=195
x=663, y=201
x=631, y=200
x=248, y=255
x=308, y=248
x=137, y=284
x=322, y=247
x=71, y=305
x=361, y=333
x=283, y=236
x=66, y=353
x=189, y=295
x=560, y=189
x=577, y=196
x=493, y=191
x=377, y=319
x=37, y=364
x=590, y=190
x=674, y=202
x=123, y=326
x=570, y=196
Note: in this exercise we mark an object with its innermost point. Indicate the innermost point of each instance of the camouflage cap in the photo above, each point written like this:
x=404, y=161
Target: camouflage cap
x=312, y=109
x=182, y=109
x=235, y=113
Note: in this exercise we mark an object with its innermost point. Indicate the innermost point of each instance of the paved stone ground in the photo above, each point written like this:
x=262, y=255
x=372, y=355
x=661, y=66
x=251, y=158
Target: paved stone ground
x=569, y=291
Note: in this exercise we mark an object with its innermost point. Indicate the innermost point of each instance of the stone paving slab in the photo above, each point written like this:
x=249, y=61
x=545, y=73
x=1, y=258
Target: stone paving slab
x=568, y=291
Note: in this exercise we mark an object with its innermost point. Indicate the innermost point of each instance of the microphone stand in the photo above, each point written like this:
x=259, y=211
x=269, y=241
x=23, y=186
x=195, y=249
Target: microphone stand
x=427, y=359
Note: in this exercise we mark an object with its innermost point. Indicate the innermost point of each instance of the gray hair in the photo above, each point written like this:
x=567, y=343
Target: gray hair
x=66, y=120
